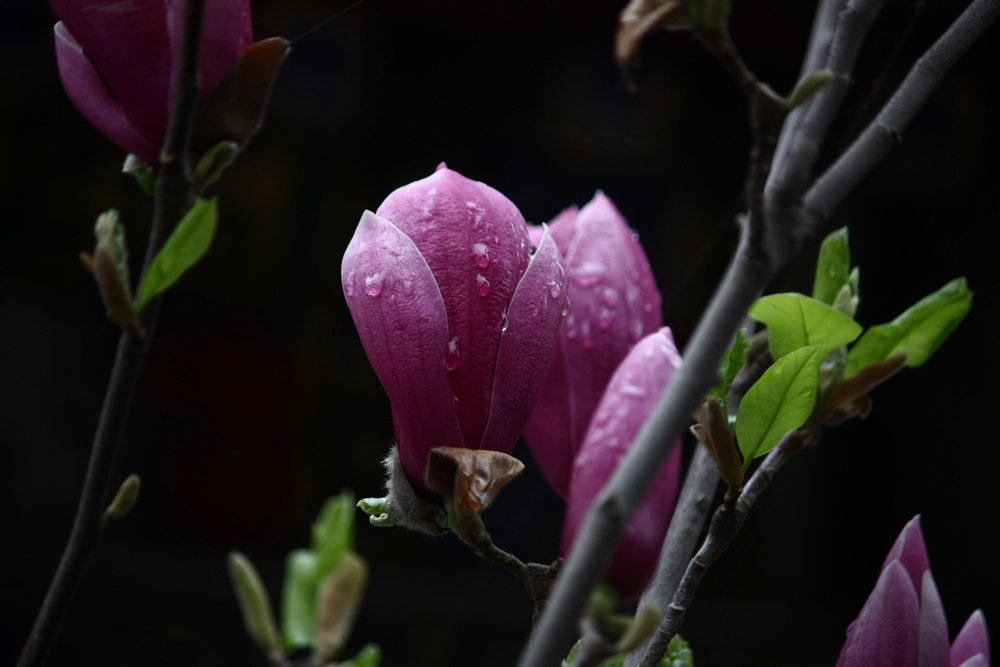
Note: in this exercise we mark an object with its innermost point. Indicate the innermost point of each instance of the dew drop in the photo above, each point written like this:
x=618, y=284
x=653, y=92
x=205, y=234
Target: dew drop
x=374, y=284
x=609, y=297
x=504, y=322
x=349, y=284
x=555, y=289
x=452, y=356
x=456, y=402
x=587, y=274
x=635, y=390
x=482, y=285
x=532, y=250
x=481, y=255
x=565, y=309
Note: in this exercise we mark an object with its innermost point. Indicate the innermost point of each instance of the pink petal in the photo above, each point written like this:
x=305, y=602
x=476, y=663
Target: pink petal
x=90, y=95
x=526, y=345
x=400, y=317
x=886, y=632
x=476, y=245
x=933, y=645
x=126, y=41
x=978, y=660
x=613, y=303
x=910, y=550
x=227, y=32
x=972, y=640
x=631, y=395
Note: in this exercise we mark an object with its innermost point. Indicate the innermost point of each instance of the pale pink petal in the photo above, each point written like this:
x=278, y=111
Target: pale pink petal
x=978, y=660
x=526, y=344
x=613, y=303
x=972, y=640
x=400, y=317
x=87, y=90
x=476, y=245
x=126, y=41
x=885, y=634
x=910, y=550
x=933, y=645
x=631, y=395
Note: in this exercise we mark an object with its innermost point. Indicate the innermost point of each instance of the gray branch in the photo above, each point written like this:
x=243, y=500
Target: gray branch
x=765, y=245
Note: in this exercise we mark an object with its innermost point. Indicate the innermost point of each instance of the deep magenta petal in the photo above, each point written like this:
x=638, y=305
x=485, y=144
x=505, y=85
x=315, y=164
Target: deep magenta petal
x=400, y=317
x=527, y=342
x=972, y=640
x=933, y=645
x=885, y=634
x=910, y=550
x=476, y=245
x=228, y=31
x=88, y=92
x=126, y=41
x=631, y=395
x=614, y=302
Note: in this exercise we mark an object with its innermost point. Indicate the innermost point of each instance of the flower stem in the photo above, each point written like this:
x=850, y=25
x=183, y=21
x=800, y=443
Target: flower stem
x=174, y=197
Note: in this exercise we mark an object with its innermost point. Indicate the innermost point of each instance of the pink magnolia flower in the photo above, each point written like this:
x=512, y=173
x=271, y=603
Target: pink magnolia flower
x=116, y=59
x=903, y=622
x=631, y=394
x=613, y=303
x=458, y=312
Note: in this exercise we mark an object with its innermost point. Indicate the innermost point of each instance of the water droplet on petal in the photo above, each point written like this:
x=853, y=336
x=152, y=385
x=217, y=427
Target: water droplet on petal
x=565, y=309
x=349, y=284
x=457, y=403
x=587, y=274
x=504, y=322
x=482, y=285
x=452, y=356
x=374, y=284
x=481, y=255
x=609, y=297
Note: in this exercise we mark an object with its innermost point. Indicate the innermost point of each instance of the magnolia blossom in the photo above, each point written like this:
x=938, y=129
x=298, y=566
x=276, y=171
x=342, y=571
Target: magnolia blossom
x=458, y=312
x=116, y=60
x=903, y=622
x=613, y=303
x=630, y=397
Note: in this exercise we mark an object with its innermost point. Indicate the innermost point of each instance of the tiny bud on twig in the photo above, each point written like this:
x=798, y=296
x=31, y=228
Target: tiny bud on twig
x=124, y=500
x=255, y=605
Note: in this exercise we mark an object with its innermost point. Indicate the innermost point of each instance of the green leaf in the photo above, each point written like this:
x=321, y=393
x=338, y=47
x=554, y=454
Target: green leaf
x=678, y=655
x=369, y=656
x=833, y=267
x=918, y=332
x=298, y=600
x=730, y=367
x=780, y=401
x=333, y=532
x=795, y=321
x=186, y=245
x=255, y=605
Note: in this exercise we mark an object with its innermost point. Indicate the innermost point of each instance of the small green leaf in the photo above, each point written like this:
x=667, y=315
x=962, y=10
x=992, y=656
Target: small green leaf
x=255, y=605
x=833, y=267
x=369, y=656
x=678, y=655
x=298, y=602
x=333, y=532
x=918, y=332
x=780, y=401
x=808, y=86
x=146, y=178
x=795, y=321
x=186, y=245
x=730, y=367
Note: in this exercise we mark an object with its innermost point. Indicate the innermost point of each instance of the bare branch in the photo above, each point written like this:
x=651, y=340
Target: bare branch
x=884, y=132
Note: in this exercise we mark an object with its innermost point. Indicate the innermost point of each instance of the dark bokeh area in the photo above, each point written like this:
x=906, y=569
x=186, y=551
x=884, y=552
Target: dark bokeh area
x=257, y=401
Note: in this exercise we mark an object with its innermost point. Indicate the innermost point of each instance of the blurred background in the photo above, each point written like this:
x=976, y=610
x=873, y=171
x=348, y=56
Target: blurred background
x=257, y=401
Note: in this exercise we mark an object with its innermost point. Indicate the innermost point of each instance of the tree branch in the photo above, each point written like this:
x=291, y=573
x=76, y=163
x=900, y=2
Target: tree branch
x=883, y=133
x=173, y=198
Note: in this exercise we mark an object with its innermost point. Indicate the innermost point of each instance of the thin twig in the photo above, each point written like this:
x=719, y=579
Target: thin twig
x=884, y=132
x=173, y=199
x=726, y=523
x=692, y=510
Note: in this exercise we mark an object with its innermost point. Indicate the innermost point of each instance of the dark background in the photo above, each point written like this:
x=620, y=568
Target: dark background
x=257, y=401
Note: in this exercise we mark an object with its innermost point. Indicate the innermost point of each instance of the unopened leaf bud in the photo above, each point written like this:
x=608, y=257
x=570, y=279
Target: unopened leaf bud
x=214, y=162
x=255, y=605
x=337, y=603
x=124, y=500
x=808, y=86
x=647, y=619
